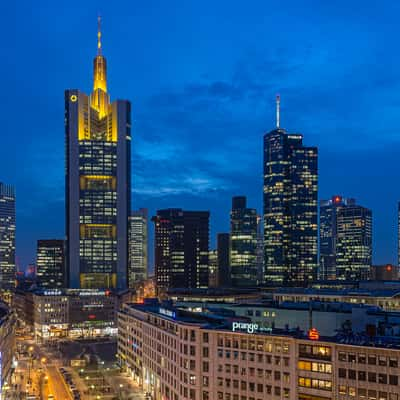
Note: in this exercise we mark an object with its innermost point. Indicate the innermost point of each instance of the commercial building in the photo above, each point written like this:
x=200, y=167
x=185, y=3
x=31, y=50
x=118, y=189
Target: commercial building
x=181, y=248
x=7, y=346
x=213, y=269
x=98, y=184
x=328, y=318
x=50, y=263
x=354, y=243
x=7, y=241
x=176, y=354
x=224, y=259
x=243, y=259
x=290, y=208
x=387, y=272
x=328, y=234
x=70, y=313
x=138, y=247
x=386, y=298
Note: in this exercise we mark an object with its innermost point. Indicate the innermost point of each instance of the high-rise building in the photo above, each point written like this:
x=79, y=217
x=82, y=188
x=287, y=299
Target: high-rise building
x=7, y=240
x=354, y=243
x=260, y=250
x=224, y=259
x=50, y=263
x=290, y=208
x=181, y=248
x=213, y=269
x=328, y=235
x=243, y=243
x=138, y=246
x=98, y=184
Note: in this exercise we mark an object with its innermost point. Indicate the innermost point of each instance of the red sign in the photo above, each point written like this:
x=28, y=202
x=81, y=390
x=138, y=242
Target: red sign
x=313, y=334
x=92, y=316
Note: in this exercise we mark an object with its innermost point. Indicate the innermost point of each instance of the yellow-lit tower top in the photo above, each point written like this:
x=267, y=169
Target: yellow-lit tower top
x=100, y=100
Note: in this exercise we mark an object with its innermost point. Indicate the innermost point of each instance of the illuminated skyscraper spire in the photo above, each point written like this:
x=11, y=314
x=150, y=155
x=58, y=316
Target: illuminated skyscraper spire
x=99, y=35
x=100, y=99
x=278, y=105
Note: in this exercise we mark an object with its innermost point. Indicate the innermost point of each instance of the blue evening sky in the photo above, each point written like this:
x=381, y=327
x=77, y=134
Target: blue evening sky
x=202, y=78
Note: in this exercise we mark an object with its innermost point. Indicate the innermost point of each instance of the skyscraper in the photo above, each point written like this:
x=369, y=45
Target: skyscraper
x=290, y=208
x=243, y=243
x=213, y=269
x=98, y=184
x=7, y=240
x=224, y=259
x=138, y=246
x=354, y=243
x=181, y=248
x=50, y=263
x=328, y=235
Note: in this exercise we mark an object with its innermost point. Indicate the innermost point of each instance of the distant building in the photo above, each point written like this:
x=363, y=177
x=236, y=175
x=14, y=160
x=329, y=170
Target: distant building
x=224, y=259
x=138, y=246
x=290, y=208
x=260, y=251
x=181, y=248
x=354, y=243
x=328, y=235
x=52, y=314
x=387, y=272
x=50, y=263
x=243, y=243
x=213, y=269
x=7, y=240
x=98, y=184
x=7, y=347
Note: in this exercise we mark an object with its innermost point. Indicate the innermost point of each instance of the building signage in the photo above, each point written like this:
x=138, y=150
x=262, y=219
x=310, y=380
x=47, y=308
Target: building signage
x=167, y=312
x=243, y=326
x=313, y=334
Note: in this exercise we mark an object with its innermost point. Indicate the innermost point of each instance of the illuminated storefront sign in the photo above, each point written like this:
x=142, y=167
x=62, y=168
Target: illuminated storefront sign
x=241, y=326
x=167, y=313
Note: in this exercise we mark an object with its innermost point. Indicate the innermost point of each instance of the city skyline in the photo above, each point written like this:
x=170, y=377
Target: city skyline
x=240, y=94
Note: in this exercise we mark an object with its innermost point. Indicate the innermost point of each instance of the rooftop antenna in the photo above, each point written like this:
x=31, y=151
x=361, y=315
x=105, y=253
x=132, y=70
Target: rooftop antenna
x=278, y=105
x=99, y=35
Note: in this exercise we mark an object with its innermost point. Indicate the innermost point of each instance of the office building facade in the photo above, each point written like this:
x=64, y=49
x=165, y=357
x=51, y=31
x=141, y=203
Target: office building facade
x=224, y=259
x=243, y=247
x=138, y=246
x=181, y=248
x=180, y=355
x=328, y=235
x=354, y=243
x=7, y=240
x=7, y=348
x=98, y=185
x=50, y=263
x=290, y=208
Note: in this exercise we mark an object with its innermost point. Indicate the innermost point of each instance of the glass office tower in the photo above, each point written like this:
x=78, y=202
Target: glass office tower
x=181, y=248
x=7, y=241
x=290, y=208
x=328, y=210
x=243, y=247
x=138, y=246
x=50, y=263
x=354, y=243
x=98, y=154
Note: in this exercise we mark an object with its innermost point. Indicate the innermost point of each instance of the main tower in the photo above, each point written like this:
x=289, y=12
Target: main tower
x=98, y=183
